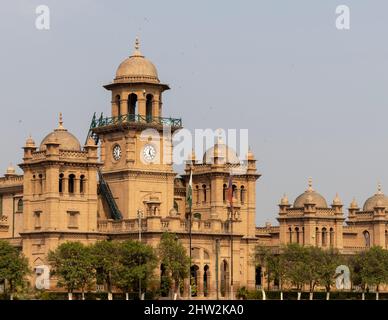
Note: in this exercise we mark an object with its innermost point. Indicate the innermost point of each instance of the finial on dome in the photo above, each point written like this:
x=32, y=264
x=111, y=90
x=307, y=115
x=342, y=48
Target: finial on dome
x=310, y=185
x=60, y=126
x=137, y=52
x=379, y=188
x=219, y=139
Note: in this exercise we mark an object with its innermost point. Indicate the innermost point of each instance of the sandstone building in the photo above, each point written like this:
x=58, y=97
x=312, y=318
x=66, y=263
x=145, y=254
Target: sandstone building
x=115, y=185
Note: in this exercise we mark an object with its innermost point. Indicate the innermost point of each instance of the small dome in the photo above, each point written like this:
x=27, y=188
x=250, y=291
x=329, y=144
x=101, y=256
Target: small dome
x=65, y=139
x=310, y=196
x=250, y=155
x=221, y=150
x=30, y=143
x=11, y=170
x=378, y=199
x=137, y=68
x=337, y=201
x=284, y=200
x=353, y=204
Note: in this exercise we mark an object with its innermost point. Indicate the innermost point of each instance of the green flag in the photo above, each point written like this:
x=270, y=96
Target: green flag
x=189, y=197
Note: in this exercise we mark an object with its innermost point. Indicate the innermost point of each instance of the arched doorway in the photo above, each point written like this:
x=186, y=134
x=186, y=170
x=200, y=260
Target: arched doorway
x=149, y=113
x=194, y=280
x=258, y=277
x=206, y=280
x=224, y=278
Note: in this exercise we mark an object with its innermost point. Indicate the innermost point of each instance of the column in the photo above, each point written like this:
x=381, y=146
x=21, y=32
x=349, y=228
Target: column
x=200, y=282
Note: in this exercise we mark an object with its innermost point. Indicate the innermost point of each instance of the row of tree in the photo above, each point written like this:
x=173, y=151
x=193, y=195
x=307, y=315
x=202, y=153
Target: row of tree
x=295, y=266
x=128, y=265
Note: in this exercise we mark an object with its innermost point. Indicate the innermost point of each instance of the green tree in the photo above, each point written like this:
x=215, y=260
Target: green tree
x=273, y=264
x=13, y=267
x=173, y=256
x=328, y=263
x=296, y=266
x=106, y=261
x=136, y=264
x=373, y=267
x=72, y=263
x=358, y=274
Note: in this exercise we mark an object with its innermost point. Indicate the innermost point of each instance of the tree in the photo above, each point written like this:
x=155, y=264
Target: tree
x=328, y=262
x=13, y=267
x=273, y=264
x=105, y=261
x=374, y=267
x=173, y=256
x=358, y=274
x=72, y=263
x=296, y=266
x=136, y=263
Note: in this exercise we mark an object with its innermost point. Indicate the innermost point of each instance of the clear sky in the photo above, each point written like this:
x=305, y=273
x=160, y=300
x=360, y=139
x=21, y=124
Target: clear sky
x=314, y=98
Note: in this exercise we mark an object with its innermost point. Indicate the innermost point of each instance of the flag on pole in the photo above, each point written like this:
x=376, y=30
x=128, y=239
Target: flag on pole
x=189, y=198
x=230, y=191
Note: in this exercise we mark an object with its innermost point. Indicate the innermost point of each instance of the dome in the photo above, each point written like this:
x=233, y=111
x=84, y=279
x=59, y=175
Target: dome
x=222, y=151
x=378, y=199
x=310, y=196
x=137, y=68
x=64, y=138
x=30, y=143
x=11, y=170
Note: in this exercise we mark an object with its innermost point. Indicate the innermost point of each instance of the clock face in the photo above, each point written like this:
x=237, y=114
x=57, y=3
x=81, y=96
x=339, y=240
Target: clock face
x=149, y=152
x=117, y=152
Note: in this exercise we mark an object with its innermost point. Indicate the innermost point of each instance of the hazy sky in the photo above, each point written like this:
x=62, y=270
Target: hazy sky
x=313, y=98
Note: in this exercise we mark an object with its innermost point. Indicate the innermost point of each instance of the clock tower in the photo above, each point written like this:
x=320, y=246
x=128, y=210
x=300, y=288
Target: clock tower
x=136, y=147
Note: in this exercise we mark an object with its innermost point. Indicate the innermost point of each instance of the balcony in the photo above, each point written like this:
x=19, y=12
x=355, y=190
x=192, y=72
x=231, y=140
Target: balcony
x=162, y=224
x=134, y=119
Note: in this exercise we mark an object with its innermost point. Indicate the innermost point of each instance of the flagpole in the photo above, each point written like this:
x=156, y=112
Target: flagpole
x=190, y=202
x=231, y=238
x=231, y=252
x=190, y=239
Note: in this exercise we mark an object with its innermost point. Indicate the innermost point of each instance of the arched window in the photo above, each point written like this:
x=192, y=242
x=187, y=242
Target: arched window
x=176, y=207
x=290, y=234
x=40, y=183
x=20, y=205
x=149, y=99
x=82, y=184
x=224, y=192
x=204, y=193
x=331, y=237
x=206, y=280
x=132, y=106
x=297, y=235
x=33, y=184
x=258, y=277
x=324, y=237
x=197, y=193
x=242, y=194
x=118, y=106
x=234, y=191
x=60, y=184
x=366, y=238
x=317, y=237
x=71, y=183
x=303, y=235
